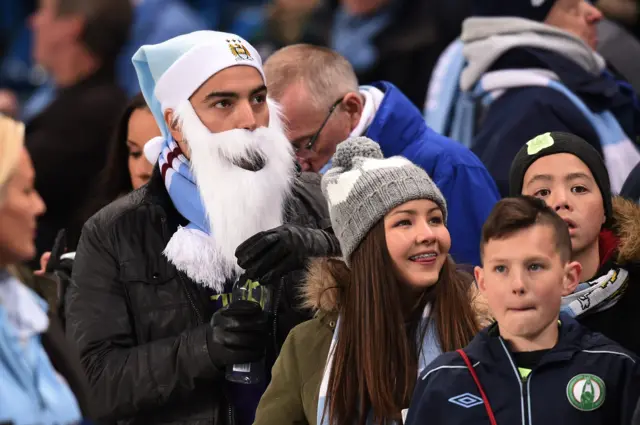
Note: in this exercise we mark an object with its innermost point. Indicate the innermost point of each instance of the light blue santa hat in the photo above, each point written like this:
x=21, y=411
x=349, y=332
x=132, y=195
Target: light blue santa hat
x=172, y=71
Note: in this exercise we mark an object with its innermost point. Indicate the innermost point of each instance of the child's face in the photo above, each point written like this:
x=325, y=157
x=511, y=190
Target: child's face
x=566, y=184
x=523, y=278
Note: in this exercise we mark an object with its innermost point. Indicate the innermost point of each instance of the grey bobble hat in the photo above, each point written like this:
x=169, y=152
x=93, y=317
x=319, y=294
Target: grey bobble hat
x=362, y=187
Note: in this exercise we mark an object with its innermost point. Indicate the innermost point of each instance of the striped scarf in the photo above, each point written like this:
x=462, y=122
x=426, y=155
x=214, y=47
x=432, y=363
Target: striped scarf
x=191, y=249
x=596, y=295
x=429, y=350
x=176, y=173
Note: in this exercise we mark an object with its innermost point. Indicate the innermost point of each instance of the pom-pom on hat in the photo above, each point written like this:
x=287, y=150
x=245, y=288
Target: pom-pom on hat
x=362, y=187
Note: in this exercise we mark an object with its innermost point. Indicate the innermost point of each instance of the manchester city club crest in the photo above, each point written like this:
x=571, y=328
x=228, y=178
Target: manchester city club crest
x=239, y=50
x=586, y=392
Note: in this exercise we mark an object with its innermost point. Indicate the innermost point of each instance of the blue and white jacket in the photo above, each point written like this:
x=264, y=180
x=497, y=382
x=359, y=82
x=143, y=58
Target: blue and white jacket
x=470, y=192
x=508, y=80
x=586, y=379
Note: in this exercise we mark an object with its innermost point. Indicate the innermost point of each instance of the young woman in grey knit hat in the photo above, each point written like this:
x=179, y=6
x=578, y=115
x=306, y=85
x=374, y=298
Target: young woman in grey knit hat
x=392, y=304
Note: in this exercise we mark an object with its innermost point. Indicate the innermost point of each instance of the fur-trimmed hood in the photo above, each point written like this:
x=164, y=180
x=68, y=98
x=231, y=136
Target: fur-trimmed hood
x=321, y=287
x=626, y=226
x=323, y=278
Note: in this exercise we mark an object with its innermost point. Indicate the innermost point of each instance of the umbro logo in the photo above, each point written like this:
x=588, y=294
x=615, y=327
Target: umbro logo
x=466, y=400
x=537, y=3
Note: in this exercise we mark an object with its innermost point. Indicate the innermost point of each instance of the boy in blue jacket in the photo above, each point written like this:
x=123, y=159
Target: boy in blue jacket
x=534, y=365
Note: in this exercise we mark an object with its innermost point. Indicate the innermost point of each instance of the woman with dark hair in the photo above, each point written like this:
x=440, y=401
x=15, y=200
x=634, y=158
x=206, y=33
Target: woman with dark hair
x=393, y=304
x=135, y=128
x=126, y=168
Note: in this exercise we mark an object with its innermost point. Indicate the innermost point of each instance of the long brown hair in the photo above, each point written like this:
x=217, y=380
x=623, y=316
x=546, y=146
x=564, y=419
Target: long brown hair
x=376, y=356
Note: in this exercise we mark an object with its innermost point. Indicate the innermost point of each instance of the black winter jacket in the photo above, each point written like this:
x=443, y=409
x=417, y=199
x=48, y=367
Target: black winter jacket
x=141, y=326
x=557, y=390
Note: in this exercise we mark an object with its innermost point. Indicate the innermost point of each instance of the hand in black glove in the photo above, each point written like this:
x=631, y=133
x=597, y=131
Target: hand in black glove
x=274, y=253
x=239, y=334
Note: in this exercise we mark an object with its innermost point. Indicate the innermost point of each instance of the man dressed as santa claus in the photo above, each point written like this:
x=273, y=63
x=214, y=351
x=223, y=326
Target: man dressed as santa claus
x=153, y=270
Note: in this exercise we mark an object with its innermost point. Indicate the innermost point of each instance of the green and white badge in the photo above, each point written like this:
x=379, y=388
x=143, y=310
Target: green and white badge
x=586, y=392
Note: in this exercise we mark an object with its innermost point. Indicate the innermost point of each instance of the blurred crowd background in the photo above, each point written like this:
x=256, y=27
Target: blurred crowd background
x=78, y=53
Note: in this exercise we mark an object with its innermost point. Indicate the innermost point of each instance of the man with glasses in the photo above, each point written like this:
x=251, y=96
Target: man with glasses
x=323, y=105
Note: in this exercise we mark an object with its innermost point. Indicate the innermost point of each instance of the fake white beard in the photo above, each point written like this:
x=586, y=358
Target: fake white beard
x=238, y=203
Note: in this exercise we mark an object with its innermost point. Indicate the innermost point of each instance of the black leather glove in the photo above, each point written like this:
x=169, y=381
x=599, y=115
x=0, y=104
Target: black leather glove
x=276, y=252
x=239, y=334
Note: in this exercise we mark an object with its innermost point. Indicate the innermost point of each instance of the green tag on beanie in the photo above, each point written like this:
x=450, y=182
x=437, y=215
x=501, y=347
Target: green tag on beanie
x=538, y=143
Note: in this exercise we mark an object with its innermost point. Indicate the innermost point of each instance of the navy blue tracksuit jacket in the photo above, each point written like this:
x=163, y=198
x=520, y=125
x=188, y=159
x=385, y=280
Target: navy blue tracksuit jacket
x=586, y=379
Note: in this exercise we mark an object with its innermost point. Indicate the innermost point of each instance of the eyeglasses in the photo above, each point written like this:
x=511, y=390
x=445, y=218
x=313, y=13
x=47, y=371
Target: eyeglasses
x=315, y=136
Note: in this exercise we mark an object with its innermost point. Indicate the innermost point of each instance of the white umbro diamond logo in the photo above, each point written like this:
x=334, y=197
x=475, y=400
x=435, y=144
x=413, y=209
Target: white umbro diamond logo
x=537, y=3
x=466, y=400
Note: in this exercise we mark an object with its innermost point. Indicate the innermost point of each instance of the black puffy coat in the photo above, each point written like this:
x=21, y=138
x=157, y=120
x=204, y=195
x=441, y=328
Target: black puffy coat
x=141, y=326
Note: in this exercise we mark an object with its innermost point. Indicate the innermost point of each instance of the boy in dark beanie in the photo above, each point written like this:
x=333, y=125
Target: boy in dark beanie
x=570, y=176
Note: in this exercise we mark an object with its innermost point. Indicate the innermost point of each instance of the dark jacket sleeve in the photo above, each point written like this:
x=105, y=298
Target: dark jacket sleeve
x=630, y=403
x=66, y=362
x=126, y=378
x=307, y=208
x=519, y=116
x=310, y=203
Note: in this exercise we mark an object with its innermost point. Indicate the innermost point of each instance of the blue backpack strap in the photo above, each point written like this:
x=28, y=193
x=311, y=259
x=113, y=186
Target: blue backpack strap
x=465, y=116
x=444, y=88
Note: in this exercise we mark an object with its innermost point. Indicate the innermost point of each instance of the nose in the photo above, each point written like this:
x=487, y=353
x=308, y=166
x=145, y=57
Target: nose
x=143, y=168
x=594, y=15
x=39, y=206
x=559, y=201
x=144, y=176
x=305, y=165
x=425, y=234
x=246, y=117
x=517, y=284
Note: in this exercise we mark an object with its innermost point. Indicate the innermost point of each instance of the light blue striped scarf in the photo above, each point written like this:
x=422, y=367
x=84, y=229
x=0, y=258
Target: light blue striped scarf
x=191, y=249
x=178, y=179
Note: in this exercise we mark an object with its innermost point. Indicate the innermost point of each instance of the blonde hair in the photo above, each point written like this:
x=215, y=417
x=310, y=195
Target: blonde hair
x=11, y=144
x=324, y=73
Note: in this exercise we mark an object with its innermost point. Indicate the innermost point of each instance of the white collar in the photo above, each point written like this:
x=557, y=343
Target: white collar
x=372, y=100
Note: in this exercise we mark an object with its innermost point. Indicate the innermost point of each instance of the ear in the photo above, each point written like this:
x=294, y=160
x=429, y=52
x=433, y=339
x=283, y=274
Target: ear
x=174, y=129
x=172, y=124
x=353, y=103
x=571, y=280
x=478, y=273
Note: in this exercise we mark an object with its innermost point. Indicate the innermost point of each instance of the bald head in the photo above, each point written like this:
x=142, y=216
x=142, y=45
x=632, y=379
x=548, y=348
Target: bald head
x=323, y=73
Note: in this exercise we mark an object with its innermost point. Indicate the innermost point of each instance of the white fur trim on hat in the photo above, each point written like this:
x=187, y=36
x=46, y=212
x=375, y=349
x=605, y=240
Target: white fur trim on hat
x=200, y=63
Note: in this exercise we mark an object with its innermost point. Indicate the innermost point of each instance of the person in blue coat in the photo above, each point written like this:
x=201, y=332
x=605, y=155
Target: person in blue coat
x=323, y=105
x=535, y=364
x=525, y=69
